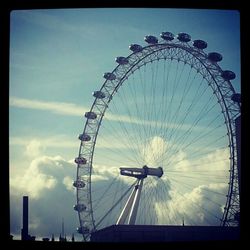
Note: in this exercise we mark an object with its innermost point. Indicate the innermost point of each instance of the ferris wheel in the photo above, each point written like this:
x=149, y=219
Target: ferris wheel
x=159, y=142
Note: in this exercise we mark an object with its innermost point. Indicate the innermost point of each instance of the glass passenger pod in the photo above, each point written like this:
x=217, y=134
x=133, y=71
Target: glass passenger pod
x=135, y=48
x=80, y=207
x=84, y=137
x=121, y=60
x=236, y=97
x=80, y=160
x=184, y=37
x=214, y=57
x=199, y=44
x=99, y=94
x=228, y=75
x=90, y=115
x=83, y=230
x=79, y=184
x=167, y=36
x=151, y=39
x=109, y=76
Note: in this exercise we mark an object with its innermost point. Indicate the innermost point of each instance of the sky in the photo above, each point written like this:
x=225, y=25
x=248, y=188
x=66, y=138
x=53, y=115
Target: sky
x=57, y=59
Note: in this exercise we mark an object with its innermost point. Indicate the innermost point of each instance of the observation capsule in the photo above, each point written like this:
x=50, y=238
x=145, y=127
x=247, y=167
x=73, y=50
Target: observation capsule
x=80, y=207
x=228, y=75
x=199, y=44
x=80, y=160
x=99, y=94
x=90, y=115
x=109, y=76
x=84, y=137
x=121, y=60
x=151, y=39
x=82, y=230
x=184, y=37
x=79, y=184
x=214, y=57
x=236, y=97
x=135, y=48
x=168, y=36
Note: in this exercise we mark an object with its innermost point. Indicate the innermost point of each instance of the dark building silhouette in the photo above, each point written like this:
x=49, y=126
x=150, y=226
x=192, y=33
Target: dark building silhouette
x=25, y=229
x=142, y=233
x=62, y=236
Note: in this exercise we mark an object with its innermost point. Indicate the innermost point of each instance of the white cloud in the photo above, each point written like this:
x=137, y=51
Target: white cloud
x=199, y=206
x=194, y=189
x=182, y=163
x=48, y=183
x=153, y=150
x=67, y=181
x=71, y=109
x=103, y=170
x=159, y=124
x=43, y=174
x=98, y=177
x=61, y=108
x=33, y=148
x=216, y=163
x=193, y=192
x=33, y=182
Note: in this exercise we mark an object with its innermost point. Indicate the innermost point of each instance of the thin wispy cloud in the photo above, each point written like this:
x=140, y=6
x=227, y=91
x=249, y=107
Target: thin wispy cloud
x=71, y=109
x=61, y=108
x=159, y=124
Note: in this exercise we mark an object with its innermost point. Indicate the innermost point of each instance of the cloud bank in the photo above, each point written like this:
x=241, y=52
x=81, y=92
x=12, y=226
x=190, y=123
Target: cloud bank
x=48, y=183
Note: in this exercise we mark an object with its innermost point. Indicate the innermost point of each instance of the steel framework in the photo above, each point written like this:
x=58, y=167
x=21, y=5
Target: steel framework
x=164, y=49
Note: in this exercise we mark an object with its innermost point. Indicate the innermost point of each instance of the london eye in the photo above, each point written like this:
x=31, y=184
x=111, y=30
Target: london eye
x=158, y=145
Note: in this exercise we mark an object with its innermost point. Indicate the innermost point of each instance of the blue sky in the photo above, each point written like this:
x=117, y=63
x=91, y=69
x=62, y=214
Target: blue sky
x=57, y=59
